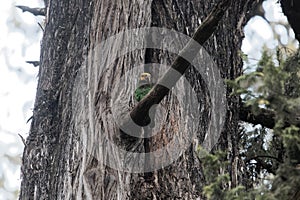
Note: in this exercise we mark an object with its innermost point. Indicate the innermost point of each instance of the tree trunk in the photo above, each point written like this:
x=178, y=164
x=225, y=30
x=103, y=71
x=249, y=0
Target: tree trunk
x=86, y=83
x=291, y=9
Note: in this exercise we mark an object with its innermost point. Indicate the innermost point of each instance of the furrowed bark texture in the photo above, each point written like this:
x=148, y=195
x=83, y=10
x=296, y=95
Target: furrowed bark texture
x=83, y=87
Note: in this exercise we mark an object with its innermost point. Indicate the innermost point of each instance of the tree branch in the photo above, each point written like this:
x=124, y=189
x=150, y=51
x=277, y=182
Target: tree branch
x=34, y=63
x=263, y=156
x=266, y=117
x=139, y=114
x=34, y=11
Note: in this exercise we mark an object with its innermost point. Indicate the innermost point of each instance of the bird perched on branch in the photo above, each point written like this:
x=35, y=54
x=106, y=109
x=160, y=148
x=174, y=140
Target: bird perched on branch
x=144, y=86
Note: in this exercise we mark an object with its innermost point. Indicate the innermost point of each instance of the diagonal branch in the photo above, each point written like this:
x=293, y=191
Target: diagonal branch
x=139, y=114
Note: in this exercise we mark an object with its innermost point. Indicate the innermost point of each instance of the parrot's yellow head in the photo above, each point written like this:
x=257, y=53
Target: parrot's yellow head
x=145, y=78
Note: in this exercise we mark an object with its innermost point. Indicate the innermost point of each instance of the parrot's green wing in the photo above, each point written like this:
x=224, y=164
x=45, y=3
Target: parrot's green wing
x=142, y=91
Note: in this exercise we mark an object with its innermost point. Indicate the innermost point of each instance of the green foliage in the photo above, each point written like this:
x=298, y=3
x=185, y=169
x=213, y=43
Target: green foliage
x=280, y=92
x=141, y=92
x=276, y=87
x=260, y=154
x=217, y=180
x=271, y=157
x=212, y=165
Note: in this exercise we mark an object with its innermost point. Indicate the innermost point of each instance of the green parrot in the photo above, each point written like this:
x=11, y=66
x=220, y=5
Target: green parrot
x=144, y=86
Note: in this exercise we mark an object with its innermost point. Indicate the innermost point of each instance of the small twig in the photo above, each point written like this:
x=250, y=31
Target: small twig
x=30, y=118
x=41, y=26
x=23, y=140
x=34, y=63
x=34, y=11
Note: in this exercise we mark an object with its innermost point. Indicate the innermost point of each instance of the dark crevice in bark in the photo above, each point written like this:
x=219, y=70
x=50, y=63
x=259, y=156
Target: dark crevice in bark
x=291, y=8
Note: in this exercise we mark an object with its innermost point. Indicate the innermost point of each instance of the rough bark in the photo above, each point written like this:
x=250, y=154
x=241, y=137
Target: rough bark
x=72, y=121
